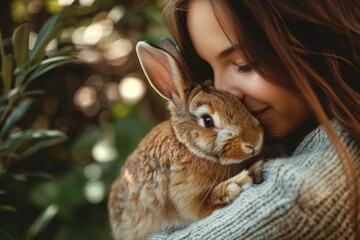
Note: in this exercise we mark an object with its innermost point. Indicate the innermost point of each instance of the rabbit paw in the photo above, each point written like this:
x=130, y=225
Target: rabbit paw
x=236, y=185
x=244, y=179
x=255, y=171
x=226, y=191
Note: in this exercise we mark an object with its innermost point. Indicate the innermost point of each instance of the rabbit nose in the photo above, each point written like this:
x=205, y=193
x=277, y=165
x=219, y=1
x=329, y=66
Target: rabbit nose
x=251, y=148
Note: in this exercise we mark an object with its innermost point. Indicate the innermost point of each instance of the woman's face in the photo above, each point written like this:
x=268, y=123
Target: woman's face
x=279, y=111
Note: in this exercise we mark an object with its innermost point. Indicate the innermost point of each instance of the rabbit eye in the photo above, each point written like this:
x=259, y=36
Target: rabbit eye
x=208, y=121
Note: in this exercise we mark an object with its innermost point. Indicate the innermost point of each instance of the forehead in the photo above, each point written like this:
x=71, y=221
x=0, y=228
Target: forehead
x=205, y=31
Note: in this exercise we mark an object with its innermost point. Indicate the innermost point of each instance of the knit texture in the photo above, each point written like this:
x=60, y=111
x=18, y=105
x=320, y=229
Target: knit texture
x=304, y=196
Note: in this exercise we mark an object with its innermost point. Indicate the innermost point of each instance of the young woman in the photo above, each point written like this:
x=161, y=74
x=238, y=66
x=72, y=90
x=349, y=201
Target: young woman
x=290, y=62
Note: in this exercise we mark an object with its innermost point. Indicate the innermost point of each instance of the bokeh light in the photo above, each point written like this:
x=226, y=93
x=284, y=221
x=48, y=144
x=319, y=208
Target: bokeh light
x=120, y=110
x=94, y=191
x=92, y=34
x=118, y=51
x=92, y=110
x=86, y=3
x=132, y=89
x=85, y=97
x=35, y=6
x=32, y=39
x=116, y=13
x=65, y=2
x=89, y=55
x=104, y=149
x=107, y=27
x=52, y=47
x=77, y=36
x=92, y=171
x=95, y=81
x=66, y=34
x=19, y=10
x=111, y=91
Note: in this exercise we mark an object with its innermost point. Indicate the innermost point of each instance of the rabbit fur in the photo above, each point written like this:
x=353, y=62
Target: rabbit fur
x=190, y=165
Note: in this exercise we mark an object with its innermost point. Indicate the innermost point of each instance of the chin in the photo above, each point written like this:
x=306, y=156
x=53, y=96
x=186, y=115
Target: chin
x=276, y=136
x=289, y=132
x=277, y=133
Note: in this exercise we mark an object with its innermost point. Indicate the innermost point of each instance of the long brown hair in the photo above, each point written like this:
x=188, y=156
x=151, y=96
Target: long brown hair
x=310, y=47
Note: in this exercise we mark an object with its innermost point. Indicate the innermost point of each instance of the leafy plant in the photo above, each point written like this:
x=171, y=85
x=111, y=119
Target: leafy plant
x=58, y=192
x=18, y=70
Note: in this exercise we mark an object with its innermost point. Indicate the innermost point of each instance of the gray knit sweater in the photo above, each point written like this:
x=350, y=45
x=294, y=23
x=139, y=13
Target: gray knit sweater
x=304, y=196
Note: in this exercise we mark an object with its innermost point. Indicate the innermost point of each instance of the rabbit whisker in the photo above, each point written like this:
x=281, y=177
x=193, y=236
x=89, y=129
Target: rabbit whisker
x=212, y=186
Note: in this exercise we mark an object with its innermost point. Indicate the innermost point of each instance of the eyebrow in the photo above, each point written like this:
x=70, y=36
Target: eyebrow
x=226, y=52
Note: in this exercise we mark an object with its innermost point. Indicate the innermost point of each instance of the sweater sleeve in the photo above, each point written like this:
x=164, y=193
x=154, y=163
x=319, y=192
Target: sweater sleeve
x=302, y=197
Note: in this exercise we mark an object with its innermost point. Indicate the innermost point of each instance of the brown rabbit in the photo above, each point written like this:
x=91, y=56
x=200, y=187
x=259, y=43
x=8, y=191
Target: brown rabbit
x=190, y=165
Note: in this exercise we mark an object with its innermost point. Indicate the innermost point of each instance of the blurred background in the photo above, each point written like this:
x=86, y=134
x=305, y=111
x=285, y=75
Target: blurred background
x=101, y=102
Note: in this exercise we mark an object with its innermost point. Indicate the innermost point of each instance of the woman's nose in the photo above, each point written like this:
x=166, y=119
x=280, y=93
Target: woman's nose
x=225, y=84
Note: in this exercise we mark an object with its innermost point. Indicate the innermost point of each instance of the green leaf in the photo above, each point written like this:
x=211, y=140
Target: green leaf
x=49, y=64
x=12, y=94
x=46, y=34
x=34, y=92
x=15, y=115
x=7, y=71
x=25, y=143
x=24, y=176
x=20, y=42
x=63, y=51
x=42, y=221
x=2, y=52
x=56, y=59
x=7, y=208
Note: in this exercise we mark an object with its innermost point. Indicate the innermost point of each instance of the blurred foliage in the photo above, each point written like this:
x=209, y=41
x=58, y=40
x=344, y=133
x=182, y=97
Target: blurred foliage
x=18, y=70
x=67, y=126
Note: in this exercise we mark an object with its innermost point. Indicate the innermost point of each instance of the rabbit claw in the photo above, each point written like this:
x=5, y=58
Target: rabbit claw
x=237, y=184
x=243, y=180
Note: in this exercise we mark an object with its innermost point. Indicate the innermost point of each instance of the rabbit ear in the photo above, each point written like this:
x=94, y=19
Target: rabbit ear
x=161, y=70
x=170, y=46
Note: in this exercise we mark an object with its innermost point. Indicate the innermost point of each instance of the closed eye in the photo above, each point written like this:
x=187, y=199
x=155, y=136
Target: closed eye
x=242, y=68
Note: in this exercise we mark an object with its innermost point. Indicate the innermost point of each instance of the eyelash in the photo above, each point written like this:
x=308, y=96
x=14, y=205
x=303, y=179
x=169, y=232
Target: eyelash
x=242, y=68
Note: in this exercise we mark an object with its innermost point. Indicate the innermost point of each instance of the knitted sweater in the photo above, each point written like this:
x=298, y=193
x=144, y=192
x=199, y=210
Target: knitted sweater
x=303, y=196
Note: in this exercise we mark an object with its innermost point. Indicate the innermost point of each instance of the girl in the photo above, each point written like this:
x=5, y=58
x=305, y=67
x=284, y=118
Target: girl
x=293, y=64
